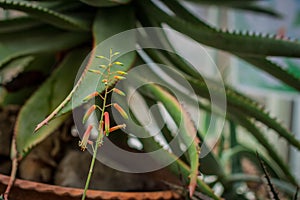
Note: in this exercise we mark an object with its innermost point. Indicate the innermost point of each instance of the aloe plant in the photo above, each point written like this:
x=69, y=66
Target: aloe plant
x=61, y=33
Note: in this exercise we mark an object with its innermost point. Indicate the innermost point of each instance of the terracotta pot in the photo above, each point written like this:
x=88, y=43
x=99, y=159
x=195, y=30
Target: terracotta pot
x=28, y=190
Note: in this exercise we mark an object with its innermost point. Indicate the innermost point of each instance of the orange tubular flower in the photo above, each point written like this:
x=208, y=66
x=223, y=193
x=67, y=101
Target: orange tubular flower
x=120, y=92
x=106, y=123
x=88, y=113
x=85, y=140
x=121, y=72
x=117, y=127
x=120, y=110
x=94, y=94
x=119, y=77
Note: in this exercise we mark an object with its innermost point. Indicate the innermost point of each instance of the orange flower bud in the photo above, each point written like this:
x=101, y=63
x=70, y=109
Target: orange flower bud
x=88, y=113
x=120, y=110
x=119, y=77
x=88, y=97
x=95, y=71
x=121, y=72
x=117, y=127
x=116, y=53
x=118, y=63
x=101, y=57
x=85, y=140
x=120, y=92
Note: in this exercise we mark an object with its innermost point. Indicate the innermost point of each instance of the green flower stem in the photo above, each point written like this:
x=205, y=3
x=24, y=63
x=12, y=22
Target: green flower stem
x=95, y=149
x=100, y=136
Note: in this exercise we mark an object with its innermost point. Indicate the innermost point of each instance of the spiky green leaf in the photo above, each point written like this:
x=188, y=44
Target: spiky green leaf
x=37, y=40
x=17, y=24
x=41, y=103
x=88, y=82
x=186, y=127
x=105, y=3
x=235, y=99
x=178, y=166
x=254, y=49
x=47, y=15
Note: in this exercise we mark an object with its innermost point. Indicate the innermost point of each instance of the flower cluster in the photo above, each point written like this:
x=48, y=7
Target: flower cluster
x=108, y=77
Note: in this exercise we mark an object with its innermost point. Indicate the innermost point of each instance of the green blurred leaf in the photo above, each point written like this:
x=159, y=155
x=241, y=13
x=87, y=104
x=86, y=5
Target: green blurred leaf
x=286, y=76
x=253, y=44
x=254, y=49
x=14, y=68
x=46, y=15
x=37, y=40
x=249, y=152
x=280, y=184
x=16, y=98
x=186, y=127
x=17, y=24
x=39, y=63
x=297, y=19
x=178, y=166
x=247, y=5
x=105, y=3
x=210, y=159
x=261, y=138
x=234, y=99
x=122, y=20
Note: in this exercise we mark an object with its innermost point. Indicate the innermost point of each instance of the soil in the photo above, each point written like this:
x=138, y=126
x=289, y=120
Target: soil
x=7, y=121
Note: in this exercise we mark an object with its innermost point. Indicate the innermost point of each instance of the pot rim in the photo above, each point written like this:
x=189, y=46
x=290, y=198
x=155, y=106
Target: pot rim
x=91, y=194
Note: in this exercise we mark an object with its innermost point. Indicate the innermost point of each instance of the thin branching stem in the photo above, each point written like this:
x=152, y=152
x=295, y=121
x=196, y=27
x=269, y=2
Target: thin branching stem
x=99, y=140
x=95, y=149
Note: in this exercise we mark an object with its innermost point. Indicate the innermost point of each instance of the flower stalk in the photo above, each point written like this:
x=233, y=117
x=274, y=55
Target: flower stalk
x=108, y=77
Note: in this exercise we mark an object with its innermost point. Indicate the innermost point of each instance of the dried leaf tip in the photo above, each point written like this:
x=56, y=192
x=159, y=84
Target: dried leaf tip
x=192, y=190
x=45, y=121
x=40, y=125
x=121, y=110
x=85, y=140
x=88, y=113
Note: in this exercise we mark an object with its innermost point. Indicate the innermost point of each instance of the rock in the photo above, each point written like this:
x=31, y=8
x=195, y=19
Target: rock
x=40, y=163
x=5, y=166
